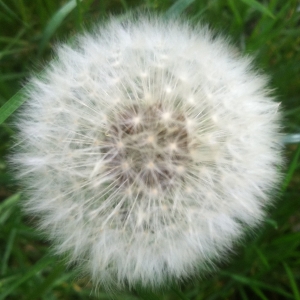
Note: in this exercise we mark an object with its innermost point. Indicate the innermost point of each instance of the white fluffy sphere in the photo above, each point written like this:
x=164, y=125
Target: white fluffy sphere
x=147, y=148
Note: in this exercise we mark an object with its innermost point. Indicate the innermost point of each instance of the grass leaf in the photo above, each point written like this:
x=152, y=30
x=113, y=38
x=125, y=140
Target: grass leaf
x=291, y=138
x=178, y=7
x=258, y=6
x=7, y=252
x=180, y=294
x=11, y=13
x=39, y=266
x=255, y=283
x=11, y=105
x=9, y=202
x=291, y=170
x=292, y=281
x=46, y=285
x=259, y=293
x=54, y=23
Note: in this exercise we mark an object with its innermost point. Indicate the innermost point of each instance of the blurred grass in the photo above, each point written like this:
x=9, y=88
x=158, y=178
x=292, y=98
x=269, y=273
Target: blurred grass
x=267, y=266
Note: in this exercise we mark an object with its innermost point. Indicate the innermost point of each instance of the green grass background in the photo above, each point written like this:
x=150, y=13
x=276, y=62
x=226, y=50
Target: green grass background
x=266, y=265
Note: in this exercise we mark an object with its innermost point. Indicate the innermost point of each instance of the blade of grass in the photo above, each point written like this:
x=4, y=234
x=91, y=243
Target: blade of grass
x=4, y=216
x=4, y=53
x=13, y=76
x=9, y=202
x=262, y=257
x=11, y=105
x=291, y=138
x=238, y=18
x=291, y=170
x=271, y=222
x=178, y=7
x=266, y=31
x=258, y=292
x=54, y=23
x=15, y=40
x=43, y=12
x=243, y=294
x=10, y=40
x=124, y=4
x=47, y=284
x=286, y=239
x=7, y=252
x=22, y=9
x=79, y=19
x=254, y=283
x=292, y=281
x=258, y=6
x=180, y=294
x=39, y=266
x=145, y=294
x=11, y=13
x=6, y=280
x=50, y=4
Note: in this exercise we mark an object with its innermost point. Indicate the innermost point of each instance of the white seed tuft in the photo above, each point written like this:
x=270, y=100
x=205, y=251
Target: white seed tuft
x=146, y=148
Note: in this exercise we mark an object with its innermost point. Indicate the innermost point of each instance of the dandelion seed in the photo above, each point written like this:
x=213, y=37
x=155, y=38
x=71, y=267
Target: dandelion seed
x=146, y=149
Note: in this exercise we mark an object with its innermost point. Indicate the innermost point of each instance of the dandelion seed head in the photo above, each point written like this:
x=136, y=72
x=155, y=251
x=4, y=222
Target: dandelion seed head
x=146, y=149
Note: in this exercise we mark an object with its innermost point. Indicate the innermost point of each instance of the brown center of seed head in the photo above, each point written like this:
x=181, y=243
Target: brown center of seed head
x=147, y=148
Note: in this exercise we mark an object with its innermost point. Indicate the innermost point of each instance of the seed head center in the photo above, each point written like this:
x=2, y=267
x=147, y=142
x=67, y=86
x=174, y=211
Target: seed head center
x=156, y=143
